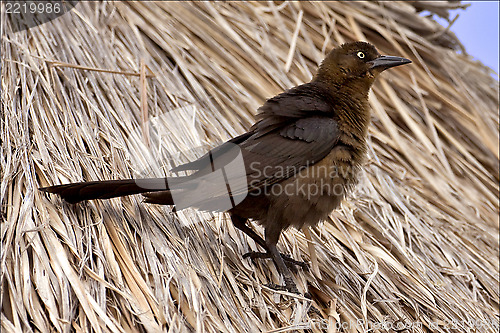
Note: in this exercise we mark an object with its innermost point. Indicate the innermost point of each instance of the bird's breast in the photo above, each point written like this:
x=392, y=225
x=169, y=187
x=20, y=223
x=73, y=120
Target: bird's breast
x=338, y=168
x=313, y=193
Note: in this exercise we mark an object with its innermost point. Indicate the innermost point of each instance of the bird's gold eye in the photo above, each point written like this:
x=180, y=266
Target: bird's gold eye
x=360, y=55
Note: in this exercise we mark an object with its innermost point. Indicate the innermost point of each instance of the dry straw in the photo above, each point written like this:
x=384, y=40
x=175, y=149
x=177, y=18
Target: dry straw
x=416, y=244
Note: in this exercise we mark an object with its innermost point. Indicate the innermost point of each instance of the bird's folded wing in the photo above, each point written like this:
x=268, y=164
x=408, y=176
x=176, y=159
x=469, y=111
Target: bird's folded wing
x=296, y=129
x=283, y=153
x=256, y=163
x=278, y=112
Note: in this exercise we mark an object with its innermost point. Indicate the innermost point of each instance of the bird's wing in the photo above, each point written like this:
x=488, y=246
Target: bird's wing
x=282, y=153
x=281, y=110
x=294, y=130
x=265, y=160
x=270, y=158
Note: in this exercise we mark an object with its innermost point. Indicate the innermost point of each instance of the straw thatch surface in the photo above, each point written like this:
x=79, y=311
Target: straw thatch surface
x=416, y=244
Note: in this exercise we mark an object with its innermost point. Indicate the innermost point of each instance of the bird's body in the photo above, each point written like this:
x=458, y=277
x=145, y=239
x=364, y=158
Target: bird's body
x=318, y=187
x=301, y=156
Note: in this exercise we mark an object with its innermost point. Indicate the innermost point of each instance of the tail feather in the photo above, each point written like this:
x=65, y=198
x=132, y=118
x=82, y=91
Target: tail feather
x=107, y=189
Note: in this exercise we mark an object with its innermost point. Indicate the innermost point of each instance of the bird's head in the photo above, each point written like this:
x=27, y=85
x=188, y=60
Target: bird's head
x=356, y=61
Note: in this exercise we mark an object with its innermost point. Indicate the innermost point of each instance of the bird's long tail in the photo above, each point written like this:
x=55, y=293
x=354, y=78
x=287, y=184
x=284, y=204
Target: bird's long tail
x=107, y=189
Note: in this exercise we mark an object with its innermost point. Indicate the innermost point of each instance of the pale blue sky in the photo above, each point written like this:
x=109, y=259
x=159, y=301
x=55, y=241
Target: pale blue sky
x=477, y=29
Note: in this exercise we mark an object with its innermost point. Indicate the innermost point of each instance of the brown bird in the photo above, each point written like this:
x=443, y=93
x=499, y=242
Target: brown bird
x=299, y=159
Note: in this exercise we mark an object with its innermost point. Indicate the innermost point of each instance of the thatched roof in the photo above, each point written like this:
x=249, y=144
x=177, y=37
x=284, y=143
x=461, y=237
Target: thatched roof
x=416, y=244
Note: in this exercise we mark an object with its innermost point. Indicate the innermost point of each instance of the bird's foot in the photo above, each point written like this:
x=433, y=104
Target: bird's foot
x=289, y=261
x=289, y=286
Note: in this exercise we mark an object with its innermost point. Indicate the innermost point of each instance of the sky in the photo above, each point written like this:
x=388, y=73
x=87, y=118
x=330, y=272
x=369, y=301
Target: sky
x=477, y=29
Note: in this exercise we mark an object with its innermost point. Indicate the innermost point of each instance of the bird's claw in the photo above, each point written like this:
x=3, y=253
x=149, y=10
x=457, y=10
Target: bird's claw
x=289, y=261
x=256, y=255
x=289, y=287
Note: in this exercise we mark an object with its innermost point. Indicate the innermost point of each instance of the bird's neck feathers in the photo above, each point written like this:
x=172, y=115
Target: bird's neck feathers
x=351, y=98
x=354, y=112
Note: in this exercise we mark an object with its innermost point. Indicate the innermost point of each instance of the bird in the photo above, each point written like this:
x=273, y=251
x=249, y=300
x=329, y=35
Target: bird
x=300, y=158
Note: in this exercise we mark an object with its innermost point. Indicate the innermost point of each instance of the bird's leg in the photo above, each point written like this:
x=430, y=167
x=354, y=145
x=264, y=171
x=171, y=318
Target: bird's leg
x=241, y=224
x=271, y=241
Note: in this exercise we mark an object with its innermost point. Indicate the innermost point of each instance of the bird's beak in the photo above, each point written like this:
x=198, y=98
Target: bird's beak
x=384, y=62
